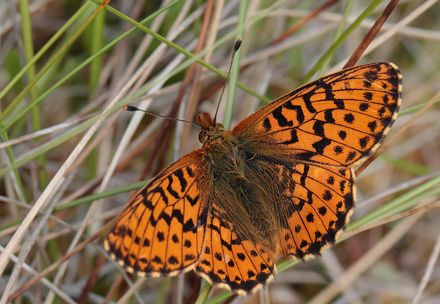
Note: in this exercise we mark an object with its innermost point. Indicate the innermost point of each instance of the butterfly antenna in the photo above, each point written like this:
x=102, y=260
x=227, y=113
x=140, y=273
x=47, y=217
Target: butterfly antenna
x=133, y=109
x=236, y=48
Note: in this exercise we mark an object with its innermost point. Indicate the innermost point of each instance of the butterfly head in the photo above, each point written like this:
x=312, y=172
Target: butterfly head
x=210, y=130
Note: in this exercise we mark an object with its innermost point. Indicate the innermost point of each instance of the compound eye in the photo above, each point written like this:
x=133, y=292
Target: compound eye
x=202, y=136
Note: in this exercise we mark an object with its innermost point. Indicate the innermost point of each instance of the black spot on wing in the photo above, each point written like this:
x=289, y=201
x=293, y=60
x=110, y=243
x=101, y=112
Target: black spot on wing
x=160, y=236
x=338, y=150
x=349, y=118
x=364, y=106
x=372, y=125
x=342, y=134
x=364, y=141
x=368, y=95
x=351, y=156
x=331, y=180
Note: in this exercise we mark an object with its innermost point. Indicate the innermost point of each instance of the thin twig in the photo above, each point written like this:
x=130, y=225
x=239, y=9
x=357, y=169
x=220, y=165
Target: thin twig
x=374, y=30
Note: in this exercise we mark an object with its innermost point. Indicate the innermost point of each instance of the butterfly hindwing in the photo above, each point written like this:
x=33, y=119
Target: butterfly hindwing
x=335, y=120
x=161, y=231
x=317, y=204
x=230, y=262
x=308, y=205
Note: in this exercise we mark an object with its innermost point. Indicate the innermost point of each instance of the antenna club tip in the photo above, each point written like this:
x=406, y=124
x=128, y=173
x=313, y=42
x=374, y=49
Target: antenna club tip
x=237, y=44
x=130, y=108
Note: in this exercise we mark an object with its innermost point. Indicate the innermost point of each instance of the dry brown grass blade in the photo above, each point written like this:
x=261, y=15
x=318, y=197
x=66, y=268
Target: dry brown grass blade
x=93, y=278
x=389, y=219
x=46, y=131
x=19, y=234
x=397, y=188
x=165, y=137
x=371, y=34
x=195, y=283
x=131, y=290
x=114, y=287
x=428, y=271
x=189, y=110
x=192, y=104
x=55, y=265
x=166, y=131
x=366, y=261
x=221, y=81
x=304, y=20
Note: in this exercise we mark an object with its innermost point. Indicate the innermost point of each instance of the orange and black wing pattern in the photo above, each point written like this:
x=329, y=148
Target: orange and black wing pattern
x=310, y=139
x=314, y=204
x=231, y=262
x=336, y=120
x=161, y=231
x=307, y=204
x=280, y=183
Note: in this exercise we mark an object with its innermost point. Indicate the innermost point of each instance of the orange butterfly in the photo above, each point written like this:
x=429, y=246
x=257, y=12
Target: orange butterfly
x=280, y=184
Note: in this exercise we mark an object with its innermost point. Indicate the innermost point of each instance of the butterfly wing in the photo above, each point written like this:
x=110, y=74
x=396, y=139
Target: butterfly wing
x=309, y=140
x=161, y=231
x=230, y=262
x=336, y=120
x=314, y=205
x=173, y=225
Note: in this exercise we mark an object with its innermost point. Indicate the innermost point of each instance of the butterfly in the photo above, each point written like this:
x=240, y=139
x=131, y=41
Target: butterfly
x=279, y=185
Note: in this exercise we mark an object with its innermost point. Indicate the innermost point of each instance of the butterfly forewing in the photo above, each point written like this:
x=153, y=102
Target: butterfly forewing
x=335, y=120
x=161, y=230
